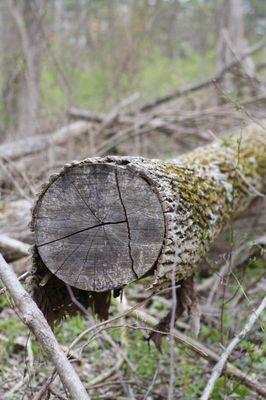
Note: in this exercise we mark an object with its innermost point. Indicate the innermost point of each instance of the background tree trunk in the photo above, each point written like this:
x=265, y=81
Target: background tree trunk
x=22, y=55
x=231, y=43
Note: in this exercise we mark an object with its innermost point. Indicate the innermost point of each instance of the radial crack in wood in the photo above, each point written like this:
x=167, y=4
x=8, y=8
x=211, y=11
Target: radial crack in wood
x=128, y=226
x=99, y=226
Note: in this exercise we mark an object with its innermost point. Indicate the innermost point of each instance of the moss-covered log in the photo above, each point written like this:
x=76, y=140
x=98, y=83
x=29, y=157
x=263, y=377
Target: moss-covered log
x=105, y=222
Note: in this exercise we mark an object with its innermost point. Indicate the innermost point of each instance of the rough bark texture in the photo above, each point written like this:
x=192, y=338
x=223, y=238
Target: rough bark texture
x=199, y=194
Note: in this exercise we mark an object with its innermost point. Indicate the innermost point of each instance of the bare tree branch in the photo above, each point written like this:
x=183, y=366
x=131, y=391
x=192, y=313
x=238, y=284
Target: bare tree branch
x=208, y=82
x=34, y=319
x=35, y=144
x=13, y=249
x=225, y=355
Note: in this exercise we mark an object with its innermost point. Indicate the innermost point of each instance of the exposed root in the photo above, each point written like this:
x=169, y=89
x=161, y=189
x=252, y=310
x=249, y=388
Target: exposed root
x=54, y=299
x=186, y=302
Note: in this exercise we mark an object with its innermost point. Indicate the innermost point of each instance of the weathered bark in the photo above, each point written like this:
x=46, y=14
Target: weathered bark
x=104, y=222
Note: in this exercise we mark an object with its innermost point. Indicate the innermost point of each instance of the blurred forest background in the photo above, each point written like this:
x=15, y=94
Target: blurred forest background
x=92, y=54
x=132, y=77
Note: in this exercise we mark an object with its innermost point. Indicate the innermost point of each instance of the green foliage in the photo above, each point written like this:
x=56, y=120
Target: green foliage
x=255, y=262
x=91, y=85
x=143, y=356
x=53, y=97
x=70, y=329
x=4, y=301
x=10, y=328
x=231, y=389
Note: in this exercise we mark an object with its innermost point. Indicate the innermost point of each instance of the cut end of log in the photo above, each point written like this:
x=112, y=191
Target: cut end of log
x=99, y=226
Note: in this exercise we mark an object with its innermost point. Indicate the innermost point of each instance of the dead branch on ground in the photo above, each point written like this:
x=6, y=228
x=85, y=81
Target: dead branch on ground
x=34, y=319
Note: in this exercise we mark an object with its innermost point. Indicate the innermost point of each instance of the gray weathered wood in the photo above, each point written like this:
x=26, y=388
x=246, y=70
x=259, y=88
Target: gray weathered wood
x=35, y=144
x=12, y=248
x=99, y=226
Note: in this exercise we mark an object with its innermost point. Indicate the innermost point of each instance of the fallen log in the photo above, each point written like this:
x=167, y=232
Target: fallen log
x=37, y=143
x=104, y=222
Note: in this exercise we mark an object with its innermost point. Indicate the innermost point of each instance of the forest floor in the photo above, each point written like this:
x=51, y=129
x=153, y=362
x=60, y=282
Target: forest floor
x=119, y=362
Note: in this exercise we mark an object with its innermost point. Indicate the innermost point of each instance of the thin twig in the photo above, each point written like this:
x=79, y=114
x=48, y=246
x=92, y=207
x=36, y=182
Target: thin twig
x=172, y=347
x=203, y=84
x=94, y=328
x=206, y=353
x=21, y=278
x=45, y=386
x=225, y=355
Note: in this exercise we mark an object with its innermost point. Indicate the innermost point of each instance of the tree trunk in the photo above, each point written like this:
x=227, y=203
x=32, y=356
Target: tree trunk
x=22, y=48
x=231, y=44
x=105, y=222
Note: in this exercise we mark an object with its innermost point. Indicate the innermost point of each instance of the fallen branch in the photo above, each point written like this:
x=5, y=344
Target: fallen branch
x=88, y=115
x=93, y=328
x=45, y=386
x=113, y=116
x=192, y=344
x=105, y=119
x=166, y=122
x=37, y=143
x=34, y=319
x=10, y=179
x=221, y=364
x=208, y=82
x=107, y=374
x=13, y=249
x=123, y=135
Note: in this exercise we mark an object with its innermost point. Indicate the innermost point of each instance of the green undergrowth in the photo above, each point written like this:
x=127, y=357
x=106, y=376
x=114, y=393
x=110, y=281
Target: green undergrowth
x=144, y=363
x=91, y=86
